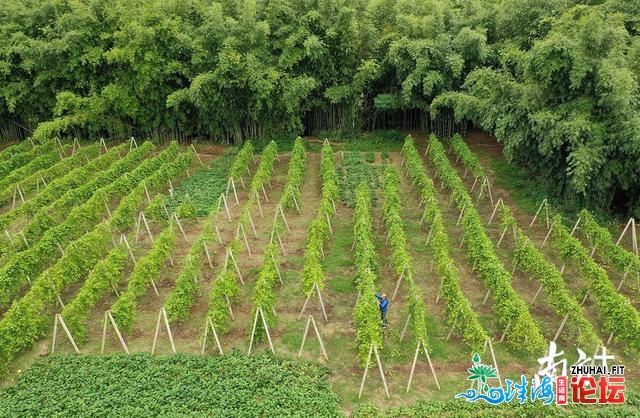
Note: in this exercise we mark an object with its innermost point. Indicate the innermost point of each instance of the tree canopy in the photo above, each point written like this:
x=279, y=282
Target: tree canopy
x=556, y=81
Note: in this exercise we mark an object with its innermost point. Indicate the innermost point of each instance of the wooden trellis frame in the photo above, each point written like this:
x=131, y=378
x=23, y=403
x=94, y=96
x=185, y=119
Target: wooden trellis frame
x=419, y=345
x=233, y=260
x=544, y=204
x=246, y=241
x=398, y=284
x=75, y=143
x=266, y=329
x=196, y=153
x=208, y=324
x=306, y=302
x=312, y=321
x=373, y=350
x=141, y=219
x=257, y=199
x=108, y=319
x=482, y=186
x=223, y=199
x=634, y=239
x=104, y=144
x=175, y=216
x=123, y=238
x=231, y=185
x=162, y=317
x=59, y=320
x=17, y=192
x=495, y=209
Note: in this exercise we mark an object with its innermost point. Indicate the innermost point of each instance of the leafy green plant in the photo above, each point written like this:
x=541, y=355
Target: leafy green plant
x=616, y=311
x=201, y=191
x=354, y=171
x=59, y=186
x=48, y=174
x=459, y=312
x=318, y=229
x=27, y=319
x=146, y=269
x=104, y=276
x=291, y=193
x=468, y=158
x=366, y=313
x=32, y=261
x=144, y=385
x=524, y=332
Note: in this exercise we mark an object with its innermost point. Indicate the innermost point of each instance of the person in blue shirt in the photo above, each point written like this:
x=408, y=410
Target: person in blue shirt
x=383, y=303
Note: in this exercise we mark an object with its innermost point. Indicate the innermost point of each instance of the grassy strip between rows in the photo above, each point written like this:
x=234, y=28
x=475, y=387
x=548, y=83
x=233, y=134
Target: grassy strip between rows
x=182, y=385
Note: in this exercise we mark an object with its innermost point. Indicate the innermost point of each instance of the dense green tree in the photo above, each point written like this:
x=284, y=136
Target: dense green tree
x=556, y=81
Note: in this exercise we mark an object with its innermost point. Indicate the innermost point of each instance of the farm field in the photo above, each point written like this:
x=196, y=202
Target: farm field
x=142, y=248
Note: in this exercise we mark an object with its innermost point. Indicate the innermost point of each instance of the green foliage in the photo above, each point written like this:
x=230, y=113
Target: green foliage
x=401, y=259
x=524, y=332
x=23, y=158
x=223, y=289
x=263, y=293
x=469, y=160
x=354, y=171
x=27, y=320
x=366, y=312
x=561, y=95
x=265, y=169
x=50, y=168
x=562, y=99
x=460, y=314
x=232, y=385
x=147, y=268
x=291, y=193
x=58, y=187
x=187, y=210
x=43, y=156
x=318, y=229
x=82, y=217
x=616, y=311
x=242, y=161
x=198, y=195
x=171, y=165
x=528, y=258
x=105, y=276
x=599, y=237
x=105, y=180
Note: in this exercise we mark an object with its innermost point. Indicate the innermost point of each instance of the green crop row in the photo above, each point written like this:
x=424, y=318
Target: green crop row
x=59, y=210
x=147, y=268
x=291, y=194
x=58, y=187
x=107, y=274
x=59, y=168
x=318, y=229
x=400, y=257
x=458, y=310
x=468, y=158
x=36, y=258
x=616, y=311
x=28, y=318
x=366, y=313
x=523, y=332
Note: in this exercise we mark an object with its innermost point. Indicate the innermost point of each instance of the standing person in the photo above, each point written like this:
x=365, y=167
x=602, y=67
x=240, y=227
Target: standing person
x=383, y=303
